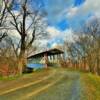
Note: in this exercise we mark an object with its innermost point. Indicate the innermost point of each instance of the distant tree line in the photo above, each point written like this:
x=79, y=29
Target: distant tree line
x=84, y=53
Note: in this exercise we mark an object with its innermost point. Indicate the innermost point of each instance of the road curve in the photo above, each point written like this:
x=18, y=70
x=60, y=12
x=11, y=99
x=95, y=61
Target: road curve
x=61, y=85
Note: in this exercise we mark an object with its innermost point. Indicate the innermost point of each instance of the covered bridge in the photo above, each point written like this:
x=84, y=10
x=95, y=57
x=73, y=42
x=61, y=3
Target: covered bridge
x=46, y=57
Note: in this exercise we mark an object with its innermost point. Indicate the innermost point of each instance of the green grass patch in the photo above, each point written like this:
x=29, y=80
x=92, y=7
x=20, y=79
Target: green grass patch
x=3, y=78
x=14, y=77
x=91, y=86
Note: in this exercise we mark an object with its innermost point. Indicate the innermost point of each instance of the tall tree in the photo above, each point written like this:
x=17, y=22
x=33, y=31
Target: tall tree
x=3, y=16
x=29, y=24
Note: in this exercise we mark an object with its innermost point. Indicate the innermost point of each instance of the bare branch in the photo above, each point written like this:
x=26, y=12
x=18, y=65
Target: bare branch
x=15, y=21
x=2, y=36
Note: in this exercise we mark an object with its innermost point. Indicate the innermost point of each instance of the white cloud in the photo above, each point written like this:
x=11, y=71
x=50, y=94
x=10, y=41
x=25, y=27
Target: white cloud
x=56, y=8
x=69, y=35
x=88, y=6
x=56, y=45
x=72, y=11
x=65, y=35
x=92, y=4
x=53, y=31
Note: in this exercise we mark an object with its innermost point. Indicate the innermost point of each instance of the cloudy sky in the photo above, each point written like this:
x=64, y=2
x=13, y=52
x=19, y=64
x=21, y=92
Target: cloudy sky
x=66, y=17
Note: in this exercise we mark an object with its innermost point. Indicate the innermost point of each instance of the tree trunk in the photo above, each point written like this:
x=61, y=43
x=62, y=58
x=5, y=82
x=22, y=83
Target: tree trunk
x=20, y=66
x=98, y=66
x=21, y=59
x=21, y=62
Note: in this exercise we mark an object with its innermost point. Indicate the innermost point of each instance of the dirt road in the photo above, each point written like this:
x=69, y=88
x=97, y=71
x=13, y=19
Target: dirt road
x=59, y=85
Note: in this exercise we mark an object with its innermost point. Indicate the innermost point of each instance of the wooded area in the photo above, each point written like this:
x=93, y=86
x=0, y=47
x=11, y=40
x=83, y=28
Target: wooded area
x=84, y=53
x=28, y=24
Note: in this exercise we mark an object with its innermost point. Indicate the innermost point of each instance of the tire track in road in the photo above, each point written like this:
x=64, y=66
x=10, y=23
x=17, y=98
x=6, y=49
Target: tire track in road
x=27, y=85
x=61, y=85
x=68, y=88
x=41, y=89
x=20, y=93
x=75, y=90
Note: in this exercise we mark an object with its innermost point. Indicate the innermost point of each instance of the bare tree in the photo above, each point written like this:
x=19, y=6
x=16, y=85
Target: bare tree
x=93, y=28
x=3, y=16
x=3, y=35
x=28, y=24
x=86, y=49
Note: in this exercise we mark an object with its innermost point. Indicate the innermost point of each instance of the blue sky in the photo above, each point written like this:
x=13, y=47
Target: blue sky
x=57, y=11
x=66, y=17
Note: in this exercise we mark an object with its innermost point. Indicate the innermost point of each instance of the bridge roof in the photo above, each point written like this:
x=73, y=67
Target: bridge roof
x=49, y=52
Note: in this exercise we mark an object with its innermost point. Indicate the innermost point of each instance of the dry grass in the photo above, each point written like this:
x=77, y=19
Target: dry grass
x=91, y=86
x=19, y=81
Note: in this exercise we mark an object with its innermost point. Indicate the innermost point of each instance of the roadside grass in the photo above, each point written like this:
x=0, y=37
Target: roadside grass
x=91, y=84
x=11, y=77
x=14, y=77
x=7, y=83
x=20, y=93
